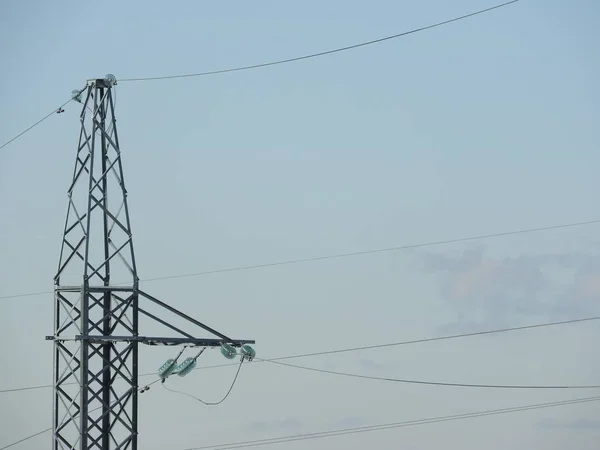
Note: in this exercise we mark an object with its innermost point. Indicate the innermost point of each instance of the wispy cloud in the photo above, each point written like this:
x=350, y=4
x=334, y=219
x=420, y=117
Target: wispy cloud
x=369, y=364
x=484, y=290
x=294, y=424
x=350, y=422
x=575, y=424
x=287, y=424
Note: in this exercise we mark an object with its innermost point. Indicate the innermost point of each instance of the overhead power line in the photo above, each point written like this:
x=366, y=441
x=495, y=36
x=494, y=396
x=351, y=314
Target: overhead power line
x=434, y=383
x=345, y=255
x=394, y=425
x=31, y=436
x=283, y=61
x=54, y=111
x=204, y=402
x=365, y=429
x=327, y=52
x=35, y=124
x=367, y=347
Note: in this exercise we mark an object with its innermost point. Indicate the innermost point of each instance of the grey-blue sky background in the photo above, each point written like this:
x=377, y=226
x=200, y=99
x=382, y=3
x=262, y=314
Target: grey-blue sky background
x=485, y=125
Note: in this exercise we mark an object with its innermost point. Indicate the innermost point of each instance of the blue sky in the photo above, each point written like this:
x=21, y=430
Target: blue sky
x=481, y=126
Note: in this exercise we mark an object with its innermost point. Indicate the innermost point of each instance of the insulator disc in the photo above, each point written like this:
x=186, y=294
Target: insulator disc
x=248, y=352
x=186, y=367
x=228, y=351
x=76, y=95
x=167, y=368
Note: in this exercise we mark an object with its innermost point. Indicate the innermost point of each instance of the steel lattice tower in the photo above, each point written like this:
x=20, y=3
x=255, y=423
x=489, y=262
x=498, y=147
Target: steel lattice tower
x=96, y=322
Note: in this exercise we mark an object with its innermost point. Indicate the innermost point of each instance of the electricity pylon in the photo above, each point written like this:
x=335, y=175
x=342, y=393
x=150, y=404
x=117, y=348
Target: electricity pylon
x=96, y=322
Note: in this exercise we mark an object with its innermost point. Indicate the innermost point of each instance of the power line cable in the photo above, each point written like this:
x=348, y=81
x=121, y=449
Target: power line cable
x=54, y=111
x=203, y=401
x=440, y=338
x=388, y=426
x=35, y=124
x=28, y=388
x=433, y=383
x=31, y=436
x=327, y=52
x=344, y=255
x=356, y=430
x=26, y=438
x=367, y=347
x=283, y=61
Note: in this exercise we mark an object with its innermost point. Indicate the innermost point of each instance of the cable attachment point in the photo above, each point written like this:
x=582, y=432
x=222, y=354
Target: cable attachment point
x=228, y=351
x=247, y=352
x=76, y=96
x=170, y=366
x=110, y=79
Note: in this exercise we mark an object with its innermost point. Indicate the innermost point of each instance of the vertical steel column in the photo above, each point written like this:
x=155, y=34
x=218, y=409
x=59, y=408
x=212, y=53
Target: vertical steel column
x=92, y=410
x=96, y=323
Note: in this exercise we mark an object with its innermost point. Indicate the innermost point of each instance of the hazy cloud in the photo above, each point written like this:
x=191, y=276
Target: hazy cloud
x=294, y=424
x=575, y=424
x=350, y=422
x=496, y=292
x=287, y=424
x=369, y=364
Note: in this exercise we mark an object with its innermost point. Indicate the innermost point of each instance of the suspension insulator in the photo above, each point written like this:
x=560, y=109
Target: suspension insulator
x=228, y=351
x=248, y=353
x=76, y=96
x=167, y=368
x=112, y=80
x=186, y=367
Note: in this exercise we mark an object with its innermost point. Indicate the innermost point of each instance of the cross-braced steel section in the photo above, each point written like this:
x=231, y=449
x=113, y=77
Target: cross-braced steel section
x=95, y=382
x=96, y=328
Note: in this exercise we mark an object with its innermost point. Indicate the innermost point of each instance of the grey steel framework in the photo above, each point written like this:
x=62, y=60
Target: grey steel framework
x=96, y=322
